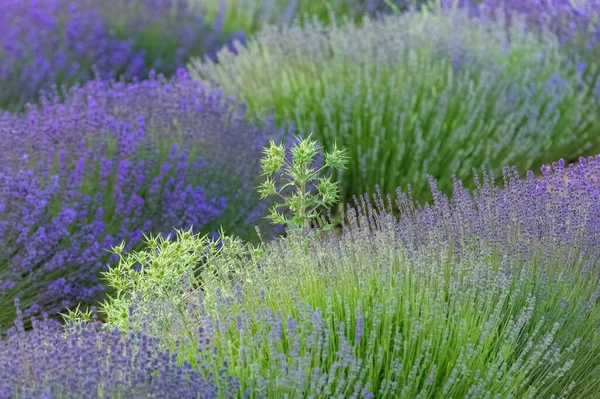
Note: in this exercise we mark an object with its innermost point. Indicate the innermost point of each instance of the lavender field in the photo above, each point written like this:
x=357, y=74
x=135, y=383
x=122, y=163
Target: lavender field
x=300, y=199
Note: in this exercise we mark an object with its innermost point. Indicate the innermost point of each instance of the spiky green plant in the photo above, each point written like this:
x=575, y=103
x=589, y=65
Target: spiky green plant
x=173, y=274
x=416, y=94
x=300, y=175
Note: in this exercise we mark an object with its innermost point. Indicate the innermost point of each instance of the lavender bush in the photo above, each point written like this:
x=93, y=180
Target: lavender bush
x=111, y=162
x=83, y=361
x=419, y=94
x=490, y=293
x=251, y=16
x=575, y=22
x=45, y=42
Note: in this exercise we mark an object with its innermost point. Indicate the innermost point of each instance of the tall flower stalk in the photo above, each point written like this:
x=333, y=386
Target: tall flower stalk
x=297, y=179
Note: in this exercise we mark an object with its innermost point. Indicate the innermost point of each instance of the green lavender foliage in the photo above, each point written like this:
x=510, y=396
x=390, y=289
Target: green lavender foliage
x=486, y=294
x=363, y=314
x=418, y=93
x=251, y=16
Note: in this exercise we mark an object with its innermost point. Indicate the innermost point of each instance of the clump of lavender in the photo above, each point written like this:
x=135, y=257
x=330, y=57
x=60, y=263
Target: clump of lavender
x=85, y=361
x=490, y=293
x=46, y=42
x=575, y=22
x=113, y=161
x=251, y=16
x=419, y=93
x=170, y=31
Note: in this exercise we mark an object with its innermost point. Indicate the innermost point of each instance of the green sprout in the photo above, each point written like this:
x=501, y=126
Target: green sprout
x=77, y=316
x=299, y=175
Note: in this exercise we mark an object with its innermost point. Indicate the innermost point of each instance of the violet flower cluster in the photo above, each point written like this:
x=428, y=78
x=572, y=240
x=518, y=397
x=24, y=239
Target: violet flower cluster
x=110, y=163
x=576, y=23
x=46, y=42
x=85, y=361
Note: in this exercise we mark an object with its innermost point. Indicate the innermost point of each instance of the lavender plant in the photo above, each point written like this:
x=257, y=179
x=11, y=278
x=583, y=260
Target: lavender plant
x=170, y=31
x=490, y=293
x=252, y=15
x=84, y=361
x=420, y=93
x=113, y=161
x=575, y=22
x=248, y=16
x=46, y=42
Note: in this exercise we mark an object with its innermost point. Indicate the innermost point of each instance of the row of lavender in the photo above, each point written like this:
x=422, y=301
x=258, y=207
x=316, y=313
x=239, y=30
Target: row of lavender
x=63, y=42
x=420, y=93
x=491, y=293
x=47, y=42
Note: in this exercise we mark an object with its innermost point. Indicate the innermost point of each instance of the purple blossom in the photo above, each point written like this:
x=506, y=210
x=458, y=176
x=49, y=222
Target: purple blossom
x=120, y=166
x=571, y=21
x=55, y=42
x=85, y=360
x=359, y=329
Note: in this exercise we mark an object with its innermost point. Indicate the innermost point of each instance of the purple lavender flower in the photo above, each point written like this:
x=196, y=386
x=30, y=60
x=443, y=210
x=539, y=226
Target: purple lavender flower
x=55, y=42
x=359, y=329
x=87, y=361
x=109, y=163
x=574, y=22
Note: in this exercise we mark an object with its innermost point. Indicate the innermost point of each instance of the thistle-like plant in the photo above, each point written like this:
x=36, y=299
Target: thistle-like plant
x=173, y=270
x=78, y=315
x=297, y=181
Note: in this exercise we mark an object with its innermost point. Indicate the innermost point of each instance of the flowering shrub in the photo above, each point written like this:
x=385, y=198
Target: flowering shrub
x=251, y=16
x=418, y=94
x=110, y=163
x=490, y=293
x=45, y=42
x=573, y=21
x=82, y=361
